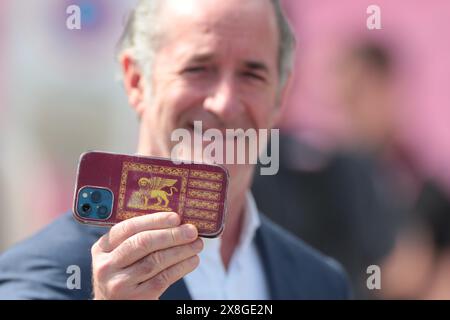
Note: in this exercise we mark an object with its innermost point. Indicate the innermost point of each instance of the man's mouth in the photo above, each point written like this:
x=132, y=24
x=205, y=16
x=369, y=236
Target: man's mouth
x=190, y=126
x=199, y=127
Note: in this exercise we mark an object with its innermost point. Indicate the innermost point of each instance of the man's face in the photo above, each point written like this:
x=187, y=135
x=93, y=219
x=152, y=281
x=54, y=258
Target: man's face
x=217, y=63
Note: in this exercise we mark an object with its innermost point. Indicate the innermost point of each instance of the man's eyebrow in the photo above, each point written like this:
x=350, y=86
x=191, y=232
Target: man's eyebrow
x=201, y=58
x=256, y=65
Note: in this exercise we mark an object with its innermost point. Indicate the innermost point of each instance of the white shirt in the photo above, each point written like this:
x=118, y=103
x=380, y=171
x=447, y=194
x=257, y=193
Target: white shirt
x=245, y=277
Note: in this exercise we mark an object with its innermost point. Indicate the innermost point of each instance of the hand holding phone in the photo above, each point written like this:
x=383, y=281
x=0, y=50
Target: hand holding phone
x=141, y=257
x=157, y=211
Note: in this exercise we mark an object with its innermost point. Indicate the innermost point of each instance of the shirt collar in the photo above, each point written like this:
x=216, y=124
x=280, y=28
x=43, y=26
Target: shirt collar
x=251, y=223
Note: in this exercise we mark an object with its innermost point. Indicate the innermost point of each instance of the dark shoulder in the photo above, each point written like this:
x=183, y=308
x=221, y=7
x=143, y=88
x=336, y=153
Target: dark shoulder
x=316, y=275
x=63, y=240
x=38, y=268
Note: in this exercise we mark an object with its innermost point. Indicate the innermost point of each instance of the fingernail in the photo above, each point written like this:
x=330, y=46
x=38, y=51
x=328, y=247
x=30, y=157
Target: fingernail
x=190, y=232
x=194, y=260
x=197, y=245
x=174, y=219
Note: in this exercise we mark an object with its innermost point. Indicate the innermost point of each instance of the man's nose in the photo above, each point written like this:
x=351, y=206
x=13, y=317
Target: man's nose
x=224, y=101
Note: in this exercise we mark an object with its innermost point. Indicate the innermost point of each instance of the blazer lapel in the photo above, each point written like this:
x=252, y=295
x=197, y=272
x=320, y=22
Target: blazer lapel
x=177, y=291
x=275, y=263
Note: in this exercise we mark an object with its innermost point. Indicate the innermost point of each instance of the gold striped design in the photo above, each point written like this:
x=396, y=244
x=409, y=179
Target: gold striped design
x=202, y=204
x=201, y=174
x=209, y=185
x=202, y=214
x=204, y=225
x=203, y=194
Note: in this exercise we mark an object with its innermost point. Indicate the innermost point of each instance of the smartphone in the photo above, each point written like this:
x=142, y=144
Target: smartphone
x=113, y=187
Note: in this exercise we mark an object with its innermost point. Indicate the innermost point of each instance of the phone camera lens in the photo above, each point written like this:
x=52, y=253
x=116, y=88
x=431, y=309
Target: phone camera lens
x=96, y=197
x=102, y=212
x=85, y=209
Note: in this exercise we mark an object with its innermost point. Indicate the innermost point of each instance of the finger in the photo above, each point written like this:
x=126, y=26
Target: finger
x=159, y=283
x=158, y=261
x=146, y=242
x=126, y=229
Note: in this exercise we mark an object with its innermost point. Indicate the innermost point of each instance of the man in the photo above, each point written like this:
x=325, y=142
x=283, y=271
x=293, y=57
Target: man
x=224, y=63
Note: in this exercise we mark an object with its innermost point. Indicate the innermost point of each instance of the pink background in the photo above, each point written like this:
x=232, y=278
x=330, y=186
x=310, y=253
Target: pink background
x=418, y=32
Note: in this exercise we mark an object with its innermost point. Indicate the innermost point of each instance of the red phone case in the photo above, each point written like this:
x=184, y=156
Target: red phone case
x=145, y=185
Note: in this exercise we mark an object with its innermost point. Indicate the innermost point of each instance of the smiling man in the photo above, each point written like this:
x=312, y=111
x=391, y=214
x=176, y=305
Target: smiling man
x=225, y=64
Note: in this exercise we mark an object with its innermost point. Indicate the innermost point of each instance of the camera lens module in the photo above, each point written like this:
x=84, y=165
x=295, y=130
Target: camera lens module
x=102, y=212
x=94, y=203
x=96, y=197
x=86, y=209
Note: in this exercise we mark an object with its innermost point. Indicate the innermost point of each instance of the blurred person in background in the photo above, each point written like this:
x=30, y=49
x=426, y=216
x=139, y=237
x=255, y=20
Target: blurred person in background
x=345, y=202
x=417, y=267
x=433, y=214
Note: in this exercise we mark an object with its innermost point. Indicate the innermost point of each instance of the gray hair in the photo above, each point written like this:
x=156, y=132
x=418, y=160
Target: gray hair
x=141, y=38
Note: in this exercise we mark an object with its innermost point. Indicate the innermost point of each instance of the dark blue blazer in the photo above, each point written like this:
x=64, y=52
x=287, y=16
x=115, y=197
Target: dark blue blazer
x=37, y=267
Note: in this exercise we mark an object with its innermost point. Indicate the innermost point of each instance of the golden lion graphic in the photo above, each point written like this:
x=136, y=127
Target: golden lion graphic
x=151, y=188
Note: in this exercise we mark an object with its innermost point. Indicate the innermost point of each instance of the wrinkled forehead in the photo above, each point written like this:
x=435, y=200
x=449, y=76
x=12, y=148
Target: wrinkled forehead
x=230, y=19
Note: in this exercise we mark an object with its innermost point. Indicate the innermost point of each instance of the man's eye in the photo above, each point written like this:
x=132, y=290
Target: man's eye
x=253, y=75
x=195, y=69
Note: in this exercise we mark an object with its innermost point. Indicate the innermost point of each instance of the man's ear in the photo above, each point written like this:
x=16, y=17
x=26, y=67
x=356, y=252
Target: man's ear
x=283, y=94
x=133, y=81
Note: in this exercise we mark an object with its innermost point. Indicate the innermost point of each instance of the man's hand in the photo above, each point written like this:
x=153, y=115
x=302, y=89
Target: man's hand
x=141, y=257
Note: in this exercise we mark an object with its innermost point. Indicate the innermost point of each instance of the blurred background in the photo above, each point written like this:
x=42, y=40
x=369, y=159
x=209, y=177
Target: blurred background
x=365, y=146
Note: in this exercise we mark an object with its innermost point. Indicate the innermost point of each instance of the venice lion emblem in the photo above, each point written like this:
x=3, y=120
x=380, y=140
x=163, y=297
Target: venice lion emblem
x=153, y=188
